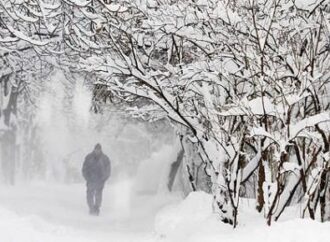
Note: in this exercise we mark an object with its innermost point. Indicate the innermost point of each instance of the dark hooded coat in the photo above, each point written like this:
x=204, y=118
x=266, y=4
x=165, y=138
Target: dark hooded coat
x=96, y=168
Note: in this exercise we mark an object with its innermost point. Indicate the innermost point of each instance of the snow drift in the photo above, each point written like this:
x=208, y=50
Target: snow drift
x=193, y=220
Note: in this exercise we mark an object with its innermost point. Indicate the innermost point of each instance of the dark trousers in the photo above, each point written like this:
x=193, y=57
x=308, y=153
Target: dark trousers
x=94, y=196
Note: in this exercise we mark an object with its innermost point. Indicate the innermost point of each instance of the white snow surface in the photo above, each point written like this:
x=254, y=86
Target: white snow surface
x=193, y=220
x=57, y=213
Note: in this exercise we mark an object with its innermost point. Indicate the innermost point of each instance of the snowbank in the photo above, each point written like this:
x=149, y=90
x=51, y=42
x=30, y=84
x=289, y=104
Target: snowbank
x=188, y=214
x=192, y=220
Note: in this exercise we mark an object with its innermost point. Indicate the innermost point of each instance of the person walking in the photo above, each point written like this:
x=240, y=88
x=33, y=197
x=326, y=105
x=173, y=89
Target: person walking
x=96, y=171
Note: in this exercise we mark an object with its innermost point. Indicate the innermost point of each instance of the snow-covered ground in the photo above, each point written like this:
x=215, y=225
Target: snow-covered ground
x=49, y=212
x=57, y=213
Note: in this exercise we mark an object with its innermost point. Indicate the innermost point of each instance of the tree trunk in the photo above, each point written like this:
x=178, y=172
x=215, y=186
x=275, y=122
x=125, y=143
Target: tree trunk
x=324, y=196
x=260, y=192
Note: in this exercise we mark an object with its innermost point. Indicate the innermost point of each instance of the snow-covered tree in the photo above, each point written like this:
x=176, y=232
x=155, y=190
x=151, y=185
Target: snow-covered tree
x=245, y=82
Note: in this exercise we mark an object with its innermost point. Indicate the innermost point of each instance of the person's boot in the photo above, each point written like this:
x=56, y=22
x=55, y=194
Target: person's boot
x=91, y=211
x=96, y=211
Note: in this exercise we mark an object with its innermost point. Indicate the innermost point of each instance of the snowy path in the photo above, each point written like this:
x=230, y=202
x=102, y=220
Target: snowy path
x=61, y=211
